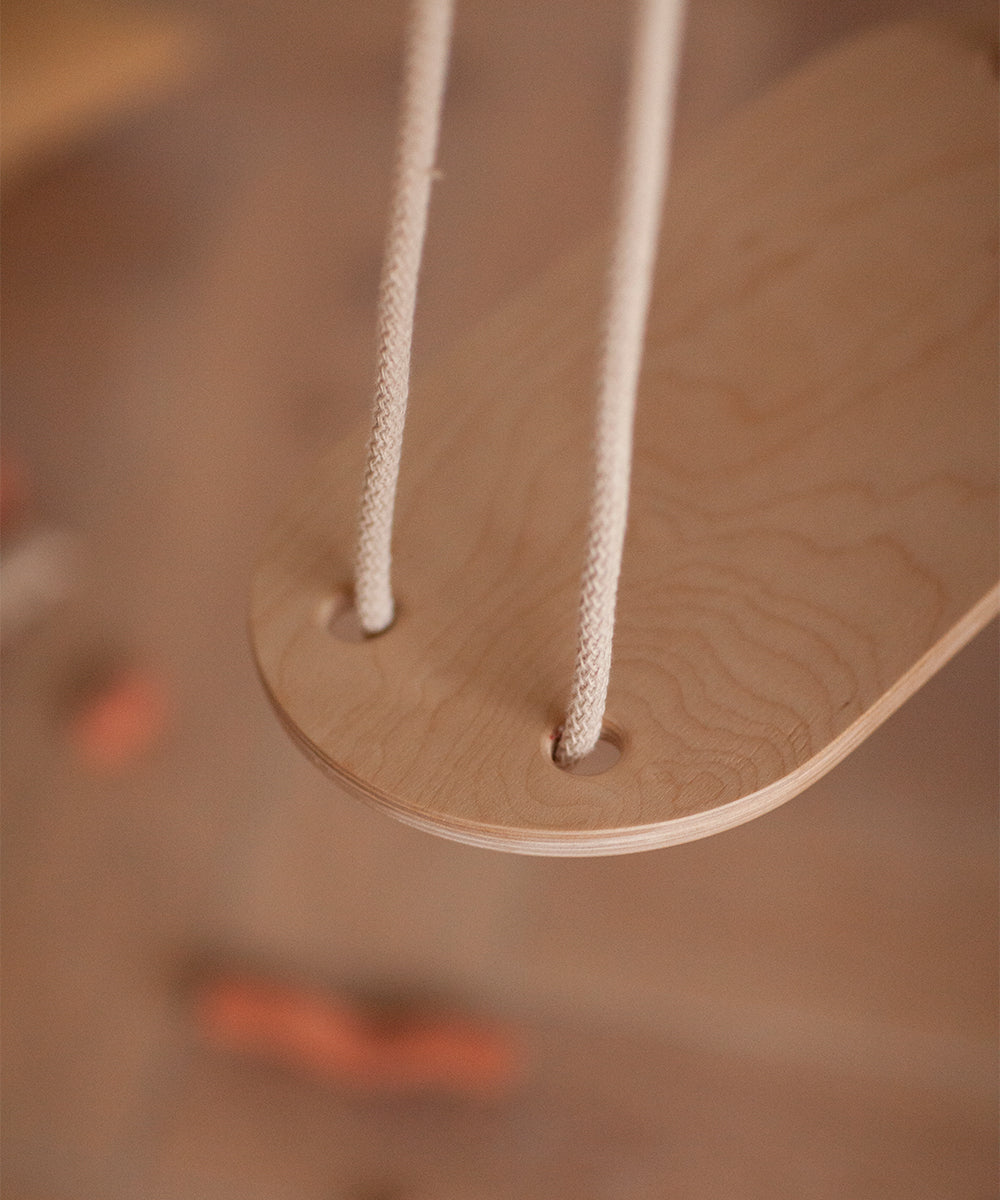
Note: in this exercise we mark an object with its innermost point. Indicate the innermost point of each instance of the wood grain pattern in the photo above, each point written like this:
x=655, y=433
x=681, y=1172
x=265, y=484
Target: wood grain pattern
x=813, y=523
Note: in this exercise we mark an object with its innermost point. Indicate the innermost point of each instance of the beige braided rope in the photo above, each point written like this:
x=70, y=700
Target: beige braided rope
x=423, y=93
x=655, y=68
x=649, y=120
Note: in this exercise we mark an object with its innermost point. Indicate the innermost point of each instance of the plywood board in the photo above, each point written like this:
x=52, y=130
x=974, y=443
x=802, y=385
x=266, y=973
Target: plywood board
x=813, y=524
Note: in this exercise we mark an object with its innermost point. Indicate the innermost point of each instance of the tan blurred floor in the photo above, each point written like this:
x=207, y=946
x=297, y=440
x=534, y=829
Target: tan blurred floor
x=804, y=1007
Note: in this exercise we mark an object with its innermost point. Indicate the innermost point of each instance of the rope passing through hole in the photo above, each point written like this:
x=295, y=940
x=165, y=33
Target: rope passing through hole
x=649, y=120
x=423, y=94
x=648, y=125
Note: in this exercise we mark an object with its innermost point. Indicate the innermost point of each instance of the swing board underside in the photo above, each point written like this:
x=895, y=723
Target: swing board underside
x=813, y=525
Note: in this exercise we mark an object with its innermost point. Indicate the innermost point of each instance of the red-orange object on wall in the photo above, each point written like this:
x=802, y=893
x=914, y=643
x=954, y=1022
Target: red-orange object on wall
x=388, y=1051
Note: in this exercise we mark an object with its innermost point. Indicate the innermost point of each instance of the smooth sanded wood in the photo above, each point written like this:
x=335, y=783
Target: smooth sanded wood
x=813, y=527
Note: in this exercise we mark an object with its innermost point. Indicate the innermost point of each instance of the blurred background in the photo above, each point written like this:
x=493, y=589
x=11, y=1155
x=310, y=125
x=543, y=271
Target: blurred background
x=221, y=976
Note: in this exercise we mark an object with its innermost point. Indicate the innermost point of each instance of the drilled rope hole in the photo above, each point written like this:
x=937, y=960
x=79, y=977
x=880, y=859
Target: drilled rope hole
x=338, y=616
x=602, y=758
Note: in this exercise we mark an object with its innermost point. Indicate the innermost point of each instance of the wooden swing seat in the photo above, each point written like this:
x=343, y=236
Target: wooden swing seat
x=813, y=529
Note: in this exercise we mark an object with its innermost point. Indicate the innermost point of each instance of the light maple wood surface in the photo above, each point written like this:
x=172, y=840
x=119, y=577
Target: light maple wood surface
x=812, y=530
x=803, y=1006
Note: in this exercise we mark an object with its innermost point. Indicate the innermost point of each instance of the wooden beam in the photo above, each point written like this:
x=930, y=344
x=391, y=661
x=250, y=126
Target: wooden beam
x=71, y=65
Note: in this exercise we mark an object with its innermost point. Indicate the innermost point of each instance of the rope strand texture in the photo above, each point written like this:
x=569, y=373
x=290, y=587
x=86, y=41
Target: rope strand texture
x=423, y=94
x=649, y=120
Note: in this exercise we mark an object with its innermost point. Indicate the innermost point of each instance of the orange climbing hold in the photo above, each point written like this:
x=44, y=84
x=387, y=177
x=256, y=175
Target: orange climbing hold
x=388, y=1050
x=117, y=723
